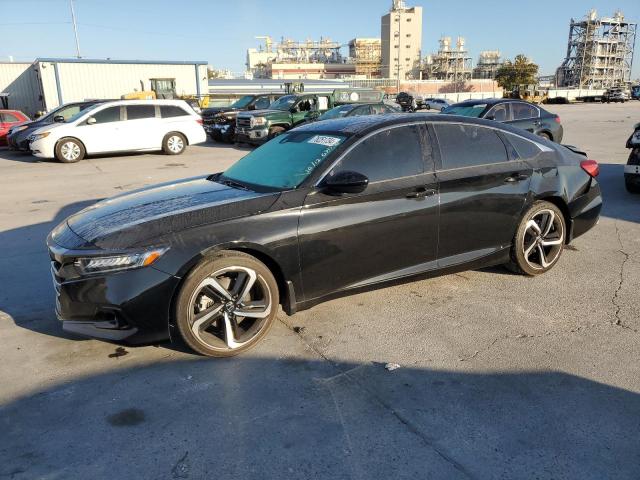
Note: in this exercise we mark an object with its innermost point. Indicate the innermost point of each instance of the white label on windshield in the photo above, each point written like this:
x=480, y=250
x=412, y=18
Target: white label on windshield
x=324, y=140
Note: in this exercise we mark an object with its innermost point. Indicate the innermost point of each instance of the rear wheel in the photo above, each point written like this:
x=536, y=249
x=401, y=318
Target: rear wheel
x=174, y=144
x=227, y=305
x=539, y=240
x=69, y=150
x=545, y=135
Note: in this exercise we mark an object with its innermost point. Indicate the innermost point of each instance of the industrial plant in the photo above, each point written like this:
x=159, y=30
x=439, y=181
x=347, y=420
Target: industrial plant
x=599, y=52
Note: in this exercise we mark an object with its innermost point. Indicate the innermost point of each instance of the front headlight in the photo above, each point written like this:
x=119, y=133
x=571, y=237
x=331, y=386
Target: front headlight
x=91, y=265
x=39, y=136
x=255, y=121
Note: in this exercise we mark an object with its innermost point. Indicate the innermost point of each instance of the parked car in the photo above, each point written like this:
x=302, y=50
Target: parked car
x=632, y=168
x=120, y=126
x=436, y=103
x=407, y=102
x=220, y=122
x=357, y=109
x=18, y=137
x=615, y=95
x=10, y=119
x=320, y=211
x=518, y=113
x=258, y=126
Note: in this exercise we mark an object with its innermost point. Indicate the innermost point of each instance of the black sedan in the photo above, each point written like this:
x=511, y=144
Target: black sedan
x=320, y=211
x=18, y=137
x=518, y=113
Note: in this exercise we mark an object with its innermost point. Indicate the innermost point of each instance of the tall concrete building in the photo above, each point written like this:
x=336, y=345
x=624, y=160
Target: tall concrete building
x=401, y=35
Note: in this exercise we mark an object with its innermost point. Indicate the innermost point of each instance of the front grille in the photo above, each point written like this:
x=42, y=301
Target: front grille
x=243, y=121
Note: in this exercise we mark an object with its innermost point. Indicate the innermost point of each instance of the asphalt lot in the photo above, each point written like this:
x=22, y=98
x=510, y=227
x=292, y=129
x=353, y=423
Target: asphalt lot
x=502, y=376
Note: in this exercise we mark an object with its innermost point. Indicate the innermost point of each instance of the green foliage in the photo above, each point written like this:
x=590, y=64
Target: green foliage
x=519, y=72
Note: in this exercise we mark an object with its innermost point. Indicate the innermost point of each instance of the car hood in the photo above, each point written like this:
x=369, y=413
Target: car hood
x=261, y=113
x=210, y=112
x=142, y=216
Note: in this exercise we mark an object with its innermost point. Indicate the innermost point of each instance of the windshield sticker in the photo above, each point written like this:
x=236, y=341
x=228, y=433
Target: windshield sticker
x=325, y=140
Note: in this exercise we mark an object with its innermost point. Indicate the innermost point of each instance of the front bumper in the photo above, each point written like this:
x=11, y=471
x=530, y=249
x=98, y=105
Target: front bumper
x=18, y=142
x=221, y=132
x=252, y=135
x=131, y=306
x=41, y=148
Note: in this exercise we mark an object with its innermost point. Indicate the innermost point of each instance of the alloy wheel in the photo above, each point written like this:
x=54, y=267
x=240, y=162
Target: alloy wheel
x=175, y=144
x=229, y=308
x=70, y=151
x=543, y=239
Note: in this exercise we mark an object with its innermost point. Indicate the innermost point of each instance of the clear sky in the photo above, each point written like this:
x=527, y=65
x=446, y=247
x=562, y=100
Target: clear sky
x=220, y=31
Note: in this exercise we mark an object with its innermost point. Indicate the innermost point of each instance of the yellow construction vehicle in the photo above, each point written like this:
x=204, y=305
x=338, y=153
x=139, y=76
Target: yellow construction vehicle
x=135, y=95
x=530, y=93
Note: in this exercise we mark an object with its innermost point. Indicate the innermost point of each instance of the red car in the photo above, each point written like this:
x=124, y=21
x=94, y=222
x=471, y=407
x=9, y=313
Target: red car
x=8, y=119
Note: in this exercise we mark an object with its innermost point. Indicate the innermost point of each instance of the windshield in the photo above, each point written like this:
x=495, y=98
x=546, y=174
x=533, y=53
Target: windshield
x=284, y=162
x=466, y=110
x=337, y=112
x=79, y=114
x=242, y=102
x=284, y=103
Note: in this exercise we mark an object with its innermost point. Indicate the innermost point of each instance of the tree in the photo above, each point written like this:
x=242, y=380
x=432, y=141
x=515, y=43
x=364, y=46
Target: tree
x=519, y=72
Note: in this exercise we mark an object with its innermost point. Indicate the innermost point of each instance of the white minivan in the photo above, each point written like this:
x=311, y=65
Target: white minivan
x=121, y=126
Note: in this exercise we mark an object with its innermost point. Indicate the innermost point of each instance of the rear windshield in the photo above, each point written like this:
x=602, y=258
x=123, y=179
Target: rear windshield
x=284, y=162
x=466, y=110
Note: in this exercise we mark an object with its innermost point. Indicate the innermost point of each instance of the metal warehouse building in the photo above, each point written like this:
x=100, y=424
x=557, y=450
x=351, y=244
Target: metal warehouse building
x=49, y=82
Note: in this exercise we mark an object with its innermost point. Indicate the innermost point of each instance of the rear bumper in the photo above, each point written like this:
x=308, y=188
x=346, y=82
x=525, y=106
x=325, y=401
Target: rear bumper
x=585, y=211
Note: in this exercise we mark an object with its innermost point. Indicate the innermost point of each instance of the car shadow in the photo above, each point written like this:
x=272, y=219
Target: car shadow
x=25, y=274
x=22, y=157
x=258, y=417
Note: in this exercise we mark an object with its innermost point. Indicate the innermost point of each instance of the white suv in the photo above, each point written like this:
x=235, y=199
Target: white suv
x=121, y=126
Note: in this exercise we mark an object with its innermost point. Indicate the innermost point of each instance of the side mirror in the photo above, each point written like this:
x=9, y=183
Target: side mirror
x=91, y=121
x=251, y=107
x=294, y=110
x=58, y=119
x=490, y=117
x=346, y=182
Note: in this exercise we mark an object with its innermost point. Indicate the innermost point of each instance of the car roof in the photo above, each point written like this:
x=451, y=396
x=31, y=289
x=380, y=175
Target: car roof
x=362, y=125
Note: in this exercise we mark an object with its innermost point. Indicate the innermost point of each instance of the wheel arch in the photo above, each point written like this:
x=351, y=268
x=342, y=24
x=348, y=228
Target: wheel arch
x=564, y=208
x=250, y=249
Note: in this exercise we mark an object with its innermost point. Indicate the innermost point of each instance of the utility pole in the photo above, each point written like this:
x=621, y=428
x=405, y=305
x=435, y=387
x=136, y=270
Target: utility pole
x=399, y=32
x=75, y=29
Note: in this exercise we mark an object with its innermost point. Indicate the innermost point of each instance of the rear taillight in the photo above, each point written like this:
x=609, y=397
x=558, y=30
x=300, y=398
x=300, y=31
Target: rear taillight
x=591, y=167
x=199, y=120
x=557, y=119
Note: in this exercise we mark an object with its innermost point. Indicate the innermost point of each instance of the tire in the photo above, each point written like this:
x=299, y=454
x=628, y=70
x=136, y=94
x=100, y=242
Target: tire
x=69, y=150
x=442, y=109
x=225, y=332
x=631, y=187
x=546, y=136
x=275, y=131
x=428, y=107
x=174, y=143
x=537, y=248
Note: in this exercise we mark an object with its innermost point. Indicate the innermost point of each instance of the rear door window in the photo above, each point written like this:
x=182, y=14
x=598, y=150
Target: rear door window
x=463, y=145
x=170, y=111
x=111, y=114
x=392, y=153
x=523, y=111
x=139, y=112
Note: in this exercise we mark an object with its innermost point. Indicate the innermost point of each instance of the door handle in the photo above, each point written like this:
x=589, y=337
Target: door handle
x=516, y=177
x=421, y=192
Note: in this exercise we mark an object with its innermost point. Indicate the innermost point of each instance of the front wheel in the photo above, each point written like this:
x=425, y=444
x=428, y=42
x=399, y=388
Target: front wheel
x=69, y=150
x=226, y=305
x=545, y=135
x=174, y=144
x=275, y=131
x=539, y=240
